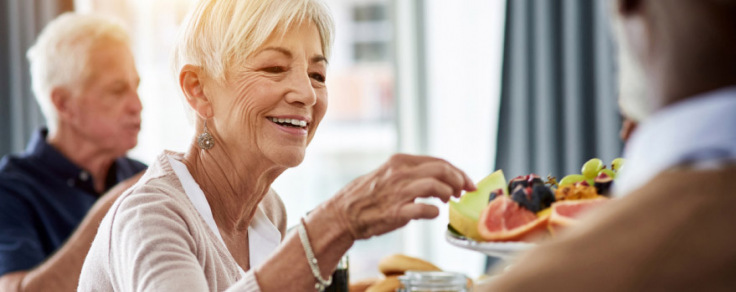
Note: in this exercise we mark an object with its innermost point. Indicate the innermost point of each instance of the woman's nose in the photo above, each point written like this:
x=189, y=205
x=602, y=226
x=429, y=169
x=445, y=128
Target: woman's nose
x=301, y=90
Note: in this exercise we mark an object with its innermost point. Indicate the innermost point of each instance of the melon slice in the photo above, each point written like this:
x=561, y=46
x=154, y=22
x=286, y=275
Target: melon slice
x=465, y=213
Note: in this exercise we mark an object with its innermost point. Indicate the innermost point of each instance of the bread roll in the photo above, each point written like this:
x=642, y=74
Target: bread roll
x=362, y=284
x=397, y=264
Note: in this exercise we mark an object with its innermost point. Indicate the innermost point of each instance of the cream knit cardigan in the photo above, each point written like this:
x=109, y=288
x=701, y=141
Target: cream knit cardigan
x=153, y=239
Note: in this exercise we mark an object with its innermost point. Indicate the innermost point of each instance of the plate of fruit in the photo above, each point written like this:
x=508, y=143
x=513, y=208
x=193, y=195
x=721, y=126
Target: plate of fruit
x=502, y=218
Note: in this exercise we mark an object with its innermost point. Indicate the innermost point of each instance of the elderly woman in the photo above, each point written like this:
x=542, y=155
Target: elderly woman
x=254, y=74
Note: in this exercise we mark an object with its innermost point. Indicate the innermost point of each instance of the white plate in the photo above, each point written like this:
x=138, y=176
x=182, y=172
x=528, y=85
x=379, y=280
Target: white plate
x=494, y=249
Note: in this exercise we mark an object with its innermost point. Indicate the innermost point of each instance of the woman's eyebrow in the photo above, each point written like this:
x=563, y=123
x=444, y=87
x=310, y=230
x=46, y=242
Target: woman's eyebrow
x=287, y=53
x=319, y=58
x=278, y=49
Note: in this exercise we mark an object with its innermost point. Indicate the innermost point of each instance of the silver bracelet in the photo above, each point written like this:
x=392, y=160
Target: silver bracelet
x=321, y=284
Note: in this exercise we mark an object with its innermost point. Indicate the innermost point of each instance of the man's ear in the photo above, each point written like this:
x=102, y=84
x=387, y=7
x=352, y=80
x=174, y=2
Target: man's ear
x=191, y=81
x=61, y=98
x=626, y=7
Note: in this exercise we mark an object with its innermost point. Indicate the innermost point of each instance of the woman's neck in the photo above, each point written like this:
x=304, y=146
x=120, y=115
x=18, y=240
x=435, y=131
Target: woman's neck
x=233, y=184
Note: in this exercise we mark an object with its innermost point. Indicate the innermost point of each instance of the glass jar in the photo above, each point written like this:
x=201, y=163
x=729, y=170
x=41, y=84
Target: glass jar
x=415, y=281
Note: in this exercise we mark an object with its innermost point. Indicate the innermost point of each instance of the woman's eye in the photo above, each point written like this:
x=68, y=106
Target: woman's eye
x=319, y=77
x=274, y=69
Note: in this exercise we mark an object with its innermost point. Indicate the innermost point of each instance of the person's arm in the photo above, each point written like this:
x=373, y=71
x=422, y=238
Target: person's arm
x=374, y=204
x=61, y=271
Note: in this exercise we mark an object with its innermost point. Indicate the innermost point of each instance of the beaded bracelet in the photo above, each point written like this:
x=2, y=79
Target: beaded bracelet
x=321, y=284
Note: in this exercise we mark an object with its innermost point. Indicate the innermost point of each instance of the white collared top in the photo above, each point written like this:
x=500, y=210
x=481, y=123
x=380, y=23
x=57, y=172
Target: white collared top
x=700, y=131
x=263, y=236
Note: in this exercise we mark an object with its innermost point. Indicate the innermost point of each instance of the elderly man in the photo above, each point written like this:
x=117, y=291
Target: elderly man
x=671, y=229
x=85, y=80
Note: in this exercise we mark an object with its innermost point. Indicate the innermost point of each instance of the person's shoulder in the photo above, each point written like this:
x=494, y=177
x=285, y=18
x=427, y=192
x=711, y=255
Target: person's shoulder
x=161, y=189
x=131, y=164
x=158, y=191
x=14, y=165
x=17, y=175
x=692, y=179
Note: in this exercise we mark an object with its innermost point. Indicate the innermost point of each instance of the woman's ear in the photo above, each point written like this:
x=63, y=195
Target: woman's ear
x=191, y=81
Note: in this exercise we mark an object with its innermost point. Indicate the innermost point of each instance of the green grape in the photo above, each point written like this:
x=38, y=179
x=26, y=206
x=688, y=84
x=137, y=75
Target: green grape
x=608, y=172
x=617, y=163
x=591, y=168
x=571, y=179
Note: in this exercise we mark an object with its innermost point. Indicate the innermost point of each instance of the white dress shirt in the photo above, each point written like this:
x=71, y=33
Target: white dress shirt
x=699, y=131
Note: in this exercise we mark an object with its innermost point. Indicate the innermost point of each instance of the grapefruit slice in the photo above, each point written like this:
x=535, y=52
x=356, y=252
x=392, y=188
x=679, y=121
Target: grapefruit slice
x=566, y=213
x=464, y=213
x=506, y=220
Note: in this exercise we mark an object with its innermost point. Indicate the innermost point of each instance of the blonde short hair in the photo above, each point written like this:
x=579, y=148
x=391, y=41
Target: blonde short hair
x=221, y=34
x=60, y=56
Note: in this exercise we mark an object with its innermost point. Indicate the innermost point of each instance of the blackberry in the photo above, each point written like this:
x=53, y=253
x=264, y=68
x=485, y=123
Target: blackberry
x=544, y=195
x=495, y=194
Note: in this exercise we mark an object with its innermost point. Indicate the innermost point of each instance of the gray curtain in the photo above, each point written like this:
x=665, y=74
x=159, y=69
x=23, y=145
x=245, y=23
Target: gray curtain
x=558, y=103
x=20, y=23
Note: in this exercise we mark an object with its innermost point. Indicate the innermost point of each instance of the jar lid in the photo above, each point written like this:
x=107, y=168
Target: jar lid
x=435, y=280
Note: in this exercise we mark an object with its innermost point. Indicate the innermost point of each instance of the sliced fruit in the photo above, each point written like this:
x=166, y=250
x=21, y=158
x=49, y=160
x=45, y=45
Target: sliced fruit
x=578, y=191
x=603, y=183
x=545, y=212
x=566, y=213
x=464, y=213
x=505, y=220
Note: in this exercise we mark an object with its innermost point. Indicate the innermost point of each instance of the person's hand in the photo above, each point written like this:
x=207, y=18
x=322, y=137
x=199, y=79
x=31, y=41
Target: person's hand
x=384, y=200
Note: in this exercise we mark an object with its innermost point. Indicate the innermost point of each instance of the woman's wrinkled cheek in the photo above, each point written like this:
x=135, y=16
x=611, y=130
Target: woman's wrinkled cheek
x=319, y=112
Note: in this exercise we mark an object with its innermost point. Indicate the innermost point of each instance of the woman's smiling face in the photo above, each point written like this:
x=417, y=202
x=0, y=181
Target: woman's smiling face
x=271, y=107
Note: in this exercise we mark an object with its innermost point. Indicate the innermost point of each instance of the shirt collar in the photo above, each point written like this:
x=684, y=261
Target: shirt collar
x=697, y=129
x=38, y=148
x=44, y=154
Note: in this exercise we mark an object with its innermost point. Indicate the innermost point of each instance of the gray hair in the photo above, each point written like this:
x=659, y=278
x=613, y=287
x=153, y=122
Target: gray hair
x=60, y=56
x=220, y=34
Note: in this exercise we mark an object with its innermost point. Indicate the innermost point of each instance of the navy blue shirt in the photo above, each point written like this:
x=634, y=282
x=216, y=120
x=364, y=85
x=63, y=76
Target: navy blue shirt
x=43, y=197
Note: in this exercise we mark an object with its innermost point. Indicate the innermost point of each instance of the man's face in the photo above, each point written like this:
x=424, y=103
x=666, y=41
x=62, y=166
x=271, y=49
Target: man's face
x=106, y=110
x=633, y=93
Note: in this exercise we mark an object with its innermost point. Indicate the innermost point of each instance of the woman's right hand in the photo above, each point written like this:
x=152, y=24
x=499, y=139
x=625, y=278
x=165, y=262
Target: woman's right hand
x=384, y=199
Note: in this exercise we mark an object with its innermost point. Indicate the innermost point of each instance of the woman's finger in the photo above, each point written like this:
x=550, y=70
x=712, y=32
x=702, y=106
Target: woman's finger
x=411, y=160
x=441, y=171
x=412, y=211
x=425, y=188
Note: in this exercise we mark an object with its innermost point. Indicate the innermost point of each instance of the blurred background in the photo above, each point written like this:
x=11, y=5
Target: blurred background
x=520, y=85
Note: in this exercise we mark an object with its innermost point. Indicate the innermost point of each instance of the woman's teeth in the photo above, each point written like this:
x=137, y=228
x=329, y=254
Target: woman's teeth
x=289, y=122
